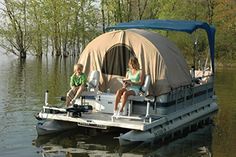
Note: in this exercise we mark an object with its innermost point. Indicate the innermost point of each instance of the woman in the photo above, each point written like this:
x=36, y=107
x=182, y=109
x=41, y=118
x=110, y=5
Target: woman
x=131, y=85
x=77, y=84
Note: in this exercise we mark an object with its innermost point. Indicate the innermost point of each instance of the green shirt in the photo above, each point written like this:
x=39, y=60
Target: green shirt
x=78, y=80
x=134, y=78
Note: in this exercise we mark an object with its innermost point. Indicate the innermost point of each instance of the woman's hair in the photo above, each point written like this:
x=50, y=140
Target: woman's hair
x=78, y=66
x=133, y=61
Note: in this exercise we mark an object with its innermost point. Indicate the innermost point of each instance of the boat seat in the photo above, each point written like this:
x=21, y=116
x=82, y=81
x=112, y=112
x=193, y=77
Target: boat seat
x=142, y=97
x=92, y=85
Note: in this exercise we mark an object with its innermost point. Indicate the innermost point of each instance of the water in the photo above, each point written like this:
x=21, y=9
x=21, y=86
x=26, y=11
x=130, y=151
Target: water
x=22, y=95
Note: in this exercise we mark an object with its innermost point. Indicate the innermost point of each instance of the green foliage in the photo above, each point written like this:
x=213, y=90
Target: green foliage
x=58, y=26
x=220, y=13
x=64, y=27
x=225, y=21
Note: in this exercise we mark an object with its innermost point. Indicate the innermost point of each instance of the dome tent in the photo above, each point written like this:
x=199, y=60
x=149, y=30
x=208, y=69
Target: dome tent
x=159, y=57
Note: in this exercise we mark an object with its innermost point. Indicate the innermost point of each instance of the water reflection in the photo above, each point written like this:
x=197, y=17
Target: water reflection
x=29, y=79
x=74, y=143
x=22, y=87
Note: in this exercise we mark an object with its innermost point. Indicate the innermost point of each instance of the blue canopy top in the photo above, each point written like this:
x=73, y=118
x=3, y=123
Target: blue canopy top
x=173, y=25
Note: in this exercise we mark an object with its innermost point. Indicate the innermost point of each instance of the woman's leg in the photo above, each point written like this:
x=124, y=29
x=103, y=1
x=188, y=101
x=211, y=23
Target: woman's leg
x=118, y=97
x=125, y=97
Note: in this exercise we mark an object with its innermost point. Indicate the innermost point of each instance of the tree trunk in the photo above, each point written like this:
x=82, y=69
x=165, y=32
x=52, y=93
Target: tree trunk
x=119, y=12
x=56, y=35
x=22, y=54
x=210, y=6
x=65, y=41
x=82, y=24
x=129, y=7
x=103, y=16
x=19, y=39
x=140, y=10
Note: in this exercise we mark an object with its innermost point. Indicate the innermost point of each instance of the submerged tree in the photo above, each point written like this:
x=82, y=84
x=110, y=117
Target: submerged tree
x=57, y=26
x=15, y=31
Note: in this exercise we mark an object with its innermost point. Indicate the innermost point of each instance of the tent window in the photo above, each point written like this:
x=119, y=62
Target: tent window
x=116, y=60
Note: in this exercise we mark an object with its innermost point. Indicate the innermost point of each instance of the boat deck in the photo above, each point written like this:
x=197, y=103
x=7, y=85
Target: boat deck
x=104, y=120
x=101, y=120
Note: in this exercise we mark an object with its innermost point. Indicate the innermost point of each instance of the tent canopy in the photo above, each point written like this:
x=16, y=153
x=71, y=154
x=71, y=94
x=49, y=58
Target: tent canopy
x=110, y=52
x=173, y=25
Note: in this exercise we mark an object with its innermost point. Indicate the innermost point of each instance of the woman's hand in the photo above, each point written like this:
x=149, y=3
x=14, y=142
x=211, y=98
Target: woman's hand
x=126, y=84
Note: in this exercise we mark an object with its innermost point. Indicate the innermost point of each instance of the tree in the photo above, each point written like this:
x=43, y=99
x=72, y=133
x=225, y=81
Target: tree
x=224, y=20
x=15, y=32
x=62, y=27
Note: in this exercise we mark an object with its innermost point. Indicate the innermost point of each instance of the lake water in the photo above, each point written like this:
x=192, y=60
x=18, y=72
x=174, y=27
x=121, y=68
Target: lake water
x=22, y=90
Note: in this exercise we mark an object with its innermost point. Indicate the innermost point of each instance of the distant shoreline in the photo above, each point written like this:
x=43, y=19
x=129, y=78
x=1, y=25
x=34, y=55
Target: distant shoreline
x=226, y=65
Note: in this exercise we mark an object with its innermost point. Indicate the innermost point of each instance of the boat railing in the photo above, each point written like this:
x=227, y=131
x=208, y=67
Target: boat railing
x=202, y=76
x=183, y=97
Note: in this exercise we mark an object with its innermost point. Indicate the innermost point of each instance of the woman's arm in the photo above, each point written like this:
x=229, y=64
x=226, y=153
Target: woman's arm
x=141, y=78
x=126, y=81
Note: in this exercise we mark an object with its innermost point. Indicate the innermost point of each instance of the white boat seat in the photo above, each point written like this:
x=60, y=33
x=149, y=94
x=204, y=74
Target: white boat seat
x=92, y=84
x=142, y=96
x=143, y=91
